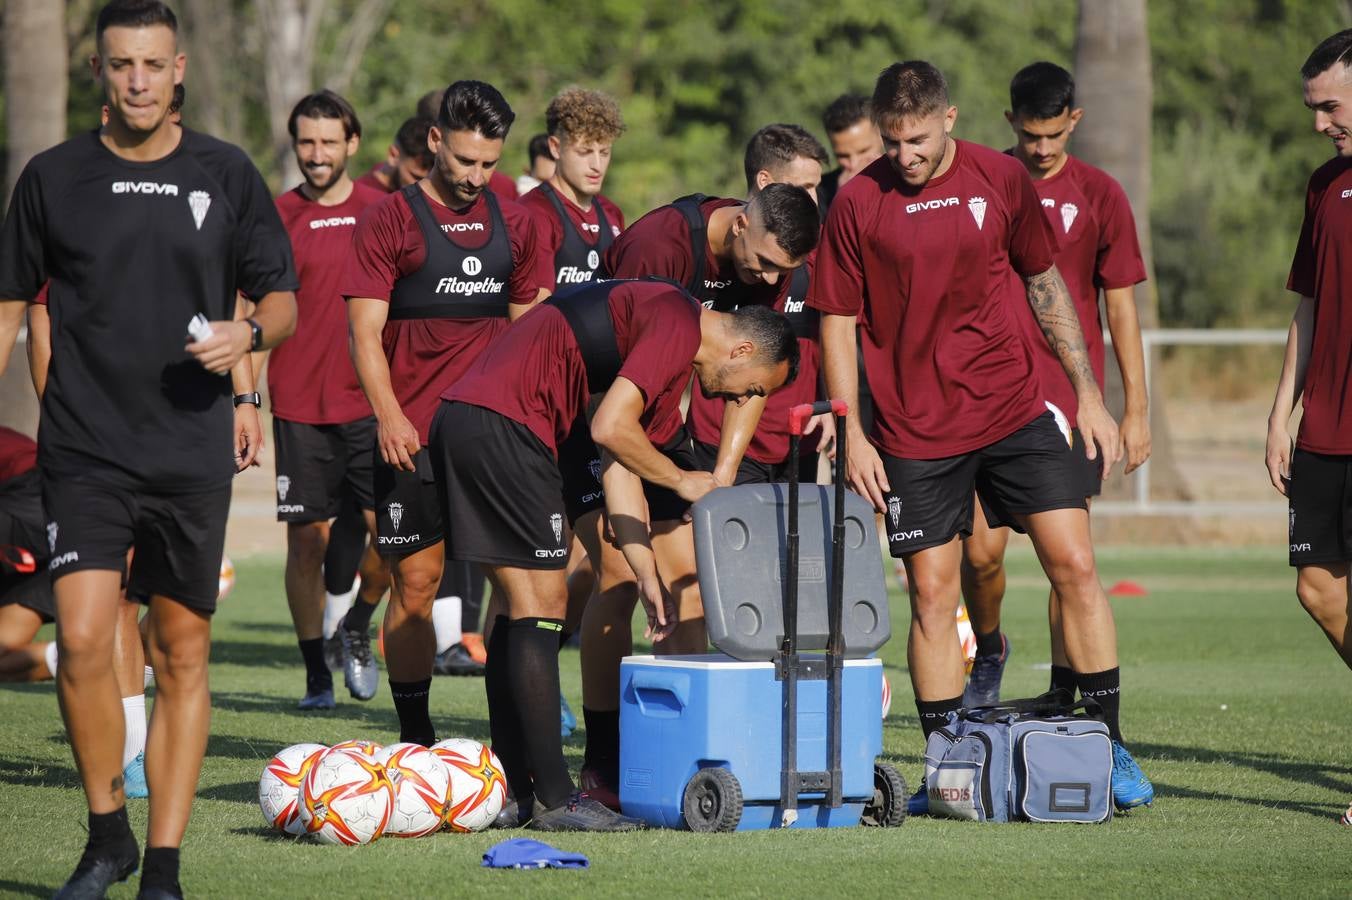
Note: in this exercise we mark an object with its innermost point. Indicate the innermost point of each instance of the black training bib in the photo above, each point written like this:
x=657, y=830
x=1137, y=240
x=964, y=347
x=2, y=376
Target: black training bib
x=455, y=283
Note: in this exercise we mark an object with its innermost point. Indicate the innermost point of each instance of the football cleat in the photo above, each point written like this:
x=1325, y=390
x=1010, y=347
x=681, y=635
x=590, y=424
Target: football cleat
x=918, y=804
x=1130, y=786
x=333, y=652
x=582, y=813
x=159, y=892
x=513, y=815
x=456, y=660
x=360, y=672
x=317, y=700
x=95, y=874
x=983, y=688
x=134, y=778
x=567, y=720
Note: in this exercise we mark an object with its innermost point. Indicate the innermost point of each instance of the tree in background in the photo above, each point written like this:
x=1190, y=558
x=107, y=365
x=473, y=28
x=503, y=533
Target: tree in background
x=35, y=81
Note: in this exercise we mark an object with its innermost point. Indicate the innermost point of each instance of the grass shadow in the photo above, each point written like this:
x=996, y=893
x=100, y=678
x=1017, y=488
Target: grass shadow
x=1324, y=812
x=37, y=773
x=238, y=792
x=1302, y=772
x=270, y=627
x=23, y=889
x=254, y=654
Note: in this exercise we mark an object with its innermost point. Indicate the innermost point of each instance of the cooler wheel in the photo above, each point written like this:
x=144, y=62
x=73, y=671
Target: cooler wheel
x=887, y=809
x=712, y=801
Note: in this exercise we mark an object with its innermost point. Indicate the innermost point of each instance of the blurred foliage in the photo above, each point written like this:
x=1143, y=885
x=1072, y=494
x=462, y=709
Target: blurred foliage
x=1231, y=146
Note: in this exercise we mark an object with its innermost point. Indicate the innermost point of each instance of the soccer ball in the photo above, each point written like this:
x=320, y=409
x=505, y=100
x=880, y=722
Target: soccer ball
x=227, y=580
x=422, y=787
x=365, y=748
x=279, y=788
x=966, y=637
x=346, y=798
x=478, y=786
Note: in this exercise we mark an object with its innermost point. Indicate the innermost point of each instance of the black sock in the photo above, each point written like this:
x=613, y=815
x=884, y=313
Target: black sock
x=533, y=646
x=1063, y=678
x=109, y=830
x=410, y=702
x=503, y=727
x=358, y=618
x=317, y=675
x=990, y=644
x=603, y=743
x=934, y=713
x=160, y=868
x=1106, y=688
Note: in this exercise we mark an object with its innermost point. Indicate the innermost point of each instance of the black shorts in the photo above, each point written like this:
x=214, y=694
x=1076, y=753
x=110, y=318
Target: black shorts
x=580, y=466
x=408, y=512
x=664, y=504
x=31, y=592
x=1319, y=496
x=754, y=472
x=1088, y=472
x=500, y=488
x=315, y=463
x=179, y=538
x=1030, y=471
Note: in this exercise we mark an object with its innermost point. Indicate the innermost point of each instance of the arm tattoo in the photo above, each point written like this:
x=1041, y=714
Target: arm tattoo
x=1055, y=312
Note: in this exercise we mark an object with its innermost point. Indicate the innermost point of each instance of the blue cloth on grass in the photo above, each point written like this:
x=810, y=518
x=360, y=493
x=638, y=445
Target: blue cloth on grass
x=524, y=853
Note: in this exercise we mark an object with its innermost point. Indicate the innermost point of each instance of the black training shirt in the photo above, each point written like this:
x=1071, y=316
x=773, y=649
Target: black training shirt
x=133, y=250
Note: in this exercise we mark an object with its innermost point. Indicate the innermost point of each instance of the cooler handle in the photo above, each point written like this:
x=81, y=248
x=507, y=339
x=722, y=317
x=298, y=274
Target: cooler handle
x=673, y=685
x=799, y=414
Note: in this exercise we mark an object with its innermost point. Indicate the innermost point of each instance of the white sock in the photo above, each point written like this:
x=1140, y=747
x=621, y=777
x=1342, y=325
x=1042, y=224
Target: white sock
x=134, y=712
x=446, y=621
x=336, y=606
x=149, y=678
x=49, y=655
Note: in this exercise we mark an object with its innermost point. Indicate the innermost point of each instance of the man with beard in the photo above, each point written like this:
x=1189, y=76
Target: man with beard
x=407, y=160
x=322, y=425
x=439, y=269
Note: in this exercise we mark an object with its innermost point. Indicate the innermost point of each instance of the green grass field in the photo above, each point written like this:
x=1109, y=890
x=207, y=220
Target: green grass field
x=1233, y=702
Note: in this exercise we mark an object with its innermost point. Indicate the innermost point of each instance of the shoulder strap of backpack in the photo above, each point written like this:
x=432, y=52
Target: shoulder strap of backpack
x=699, y=242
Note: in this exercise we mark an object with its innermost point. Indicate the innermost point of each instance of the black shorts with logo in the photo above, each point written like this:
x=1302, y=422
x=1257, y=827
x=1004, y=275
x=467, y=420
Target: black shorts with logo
x=408, y=513
x=664, y=504
x=31, y=592
x=179, y=538
x=1030, y=471
x=500, y=488
x=751, y=471
x=580, y=466
x=315, y=463
x=1319, y=497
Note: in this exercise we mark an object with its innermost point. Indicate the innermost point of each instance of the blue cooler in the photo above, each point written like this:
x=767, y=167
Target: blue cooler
x=681, y=715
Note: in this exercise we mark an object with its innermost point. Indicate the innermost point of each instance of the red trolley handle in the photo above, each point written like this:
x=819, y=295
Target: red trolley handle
x=799, y=415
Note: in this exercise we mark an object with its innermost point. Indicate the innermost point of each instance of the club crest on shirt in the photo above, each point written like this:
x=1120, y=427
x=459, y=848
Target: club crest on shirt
x=396, y=511
x=1291, y=531
x=556, y=523
x=199, y=202
x=1068, y=213
x=894, y=510
x=978, y=207
x=283, y=485
x=52, y=528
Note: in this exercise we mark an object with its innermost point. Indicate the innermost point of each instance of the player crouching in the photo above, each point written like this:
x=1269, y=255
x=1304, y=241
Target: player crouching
x=495, y=446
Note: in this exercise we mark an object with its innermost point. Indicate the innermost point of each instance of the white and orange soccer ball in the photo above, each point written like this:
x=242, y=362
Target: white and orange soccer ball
x=478, y=785
x=227, y=581
x=346, y=798
x=365, y=748
x=279, y=786
x=422, y=787
x=967, y=638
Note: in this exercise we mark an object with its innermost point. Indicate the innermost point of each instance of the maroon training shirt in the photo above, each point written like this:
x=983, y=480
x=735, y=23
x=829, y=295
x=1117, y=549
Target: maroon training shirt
x=428, y=355
x=310, y=376
x=1322, y=269
x=586, y=223
x=534, y=374
x=935, y=276
x=1092, y=220
x=498, y=183
x=19, y=453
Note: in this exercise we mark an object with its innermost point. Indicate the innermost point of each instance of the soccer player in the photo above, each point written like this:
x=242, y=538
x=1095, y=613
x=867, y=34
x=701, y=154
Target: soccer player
x=322, y=425
x=438, y=270
x=936, y=246
x=498, y=182
x=407, y=161
x=25, y=590
x=727, y=253
x=540, y=166
x=141, y=226
x=632, y=343
x=1311, y=471
x=1098, y=250
x=855, y=142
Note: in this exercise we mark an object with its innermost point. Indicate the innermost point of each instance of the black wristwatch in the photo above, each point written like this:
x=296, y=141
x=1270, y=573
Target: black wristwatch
x=257, y=329
x=255, y=398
